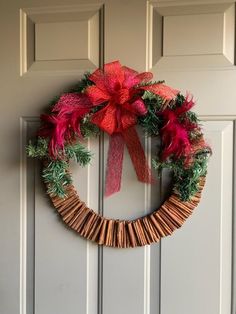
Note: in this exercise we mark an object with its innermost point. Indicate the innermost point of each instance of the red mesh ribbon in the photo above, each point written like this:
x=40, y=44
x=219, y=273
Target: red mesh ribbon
x=137, y=155
x=114, y=164
x=115, y=160
x=118, y=89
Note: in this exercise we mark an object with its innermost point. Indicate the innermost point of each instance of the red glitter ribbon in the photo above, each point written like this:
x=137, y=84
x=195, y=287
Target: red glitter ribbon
x=118, y=89
x=115, y=160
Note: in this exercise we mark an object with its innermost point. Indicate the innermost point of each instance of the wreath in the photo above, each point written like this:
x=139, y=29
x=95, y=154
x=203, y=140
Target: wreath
x=115, y=100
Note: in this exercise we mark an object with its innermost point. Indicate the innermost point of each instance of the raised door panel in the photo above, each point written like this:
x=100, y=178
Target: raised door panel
x=60, y=38
x=59, y=271
x=196, y=262
x=191, y=45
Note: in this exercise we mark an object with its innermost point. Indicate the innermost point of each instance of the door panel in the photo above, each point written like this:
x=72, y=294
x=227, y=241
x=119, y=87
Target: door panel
x=66, y=270
x=199, y=258
x=196, y=264
x=57, y=271
x=47, y=268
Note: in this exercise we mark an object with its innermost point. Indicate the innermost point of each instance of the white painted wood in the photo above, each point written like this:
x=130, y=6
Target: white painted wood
x=66, y=266
x=229, y=30
x=49, y=40
x=196, y=261
x=48, y=44
x=46, y=268
x=131, y=269
x=193, y=34
x=128, y=43
x=130, y=277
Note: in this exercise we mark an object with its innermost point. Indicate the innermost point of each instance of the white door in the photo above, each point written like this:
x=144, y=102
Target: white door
x=44, y=267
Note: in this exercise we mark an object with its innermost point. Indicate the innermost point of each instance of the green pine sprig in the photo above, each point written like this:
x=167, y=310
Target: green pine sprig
x=39, y=149
x=87, y=128
x=56, y=176
x=186, y=179
x=56, y=171
x=78, y=153
x=151, y=121
x=81, y=85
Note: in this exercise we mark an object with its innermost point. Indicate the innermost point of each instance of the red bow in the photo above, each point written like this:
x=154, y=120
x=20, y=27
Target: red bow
x=118, y=89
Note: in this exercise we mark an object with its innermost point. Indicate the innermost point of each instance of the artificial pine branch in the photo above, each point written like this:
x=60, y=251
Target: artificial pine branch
x=39, y=149
x=82, y=84
x=88, y=128
x=56, y=176
x=52, y=103
x=56, y=173
x=78, y=153
x=186, y=179
x=151, y=122
x=192, y=117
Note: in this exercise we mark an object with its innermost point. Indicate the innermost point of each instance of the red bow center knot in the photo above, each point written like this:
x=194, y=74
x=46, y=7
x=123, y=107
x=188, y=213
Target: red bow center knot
x=116, y=90
x=121, y=96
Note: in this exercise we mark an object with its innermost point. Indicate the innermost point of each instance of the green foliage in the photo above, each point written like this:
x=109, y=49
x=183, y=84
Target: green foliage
x=39, y=149
x=192, y=117
x=186, y=179
x=81, y=85
x=88, y=129
x=52, y=103
x=56, y=171
x=179, y=100
x=78, y=153
x=56, y=176
x=151, y=122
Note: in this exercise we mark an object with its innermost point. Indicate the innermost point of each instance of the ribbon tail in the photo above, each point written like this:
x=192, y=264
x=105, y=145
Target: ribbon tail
x=114, y=164
x=137, y=155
